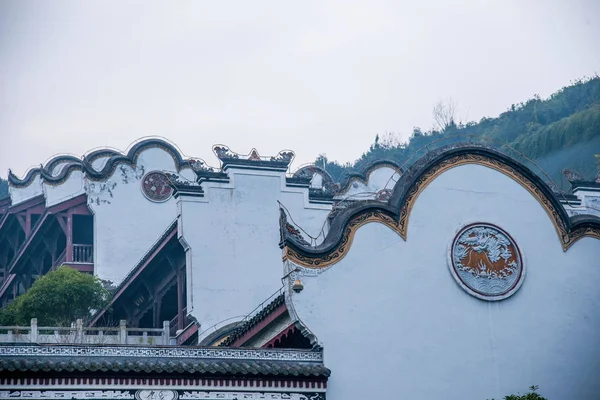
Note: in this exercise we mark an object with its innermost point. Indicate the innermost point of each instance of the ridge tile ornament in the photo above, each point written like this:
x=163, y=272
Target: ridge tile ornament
x=486, y=262
x=156, y=187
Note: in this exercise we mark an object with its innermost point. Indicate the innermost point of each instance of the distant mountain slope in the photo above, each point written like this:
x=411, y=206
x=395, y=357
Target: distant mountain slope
x=3, y=188
x=560, y=132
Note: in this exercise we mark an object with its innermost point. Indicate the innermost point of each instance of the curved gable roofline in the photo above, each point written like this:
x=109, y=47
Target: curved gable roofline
x=396, y=212
x=365, y=175
x=29, y=177
x=53, y=162
x=131, y=157
x=308, y=170
x=85, y=164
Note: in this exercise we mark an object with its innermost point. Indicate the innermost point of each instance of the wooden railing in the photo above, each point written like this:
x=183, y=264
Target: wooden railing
x=78, y=334
x=173, y=322
x=83, y=253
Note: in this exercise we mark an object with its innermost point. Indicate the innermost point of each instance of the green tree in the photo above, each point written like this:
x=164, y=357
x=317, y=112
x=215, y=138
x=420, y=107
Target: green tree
x=562, y=131
x=57, y=299
x=532, y=395
x=3, y=188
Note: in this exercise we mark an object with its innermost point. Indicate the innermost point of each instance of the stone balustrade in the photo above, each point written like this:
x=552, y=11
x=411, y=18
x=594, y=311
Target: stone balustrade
x=79, y=334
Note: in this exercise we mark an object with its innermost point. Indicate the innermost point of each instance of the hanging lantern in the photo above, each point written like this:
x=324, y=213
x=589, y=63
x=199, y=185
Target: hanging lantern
x=297, y=286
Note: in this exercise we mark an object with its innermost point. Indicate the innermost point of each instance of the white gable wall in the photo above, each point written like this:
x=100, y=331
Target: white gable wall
x=72, y=187
x=21, y=194
x=126, y=223
x=395, y=324
x=234, y=263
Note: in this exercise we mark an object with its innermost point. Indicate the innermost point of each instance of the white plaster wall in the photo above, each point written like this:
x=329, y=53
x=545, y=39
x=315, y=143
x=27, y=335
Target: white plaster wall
x=233, y=235
x=72, y=187
x=126, y=224
x=395, y=324
x=21, y=194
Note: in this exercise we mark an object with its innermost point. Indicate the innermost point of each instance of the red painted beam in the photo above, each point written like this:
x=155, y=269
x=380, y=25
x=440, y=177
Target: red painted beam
x=290, y=329
x=6, y=284
x=80, y=267
x=35, y=205
x=69, y=204
x=34, y=201
x=27, y=242
x=185, y=335
x=260, y=326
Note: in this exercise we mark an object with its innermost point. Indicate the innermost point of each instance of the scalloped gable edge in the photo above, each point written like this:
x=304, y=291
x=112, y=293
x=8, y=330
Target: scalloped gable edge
x=395, y=214
x=84, y=164
x=365, y=175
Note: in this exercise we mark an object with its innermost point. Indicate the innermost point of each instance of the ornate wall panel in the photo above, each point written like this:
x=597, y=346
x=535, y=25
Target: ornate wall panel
x=486, y=262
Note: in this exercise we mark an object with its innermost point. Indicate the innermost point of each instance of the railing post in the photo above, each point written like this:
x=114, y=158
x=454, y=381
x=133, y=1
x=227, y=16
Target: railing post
x=166, y=332
x=33, y=332
x=123, y=332
x=79, y=331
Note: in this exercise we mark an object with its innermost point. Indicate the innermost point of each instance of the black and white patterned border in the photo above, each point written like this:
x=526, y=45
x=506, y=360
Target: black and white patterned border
x=163, y=352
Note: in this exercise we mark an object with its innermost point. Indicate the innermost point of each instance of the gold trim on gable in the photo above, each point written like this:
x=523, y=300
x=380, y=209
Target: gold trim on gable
x=401, y=226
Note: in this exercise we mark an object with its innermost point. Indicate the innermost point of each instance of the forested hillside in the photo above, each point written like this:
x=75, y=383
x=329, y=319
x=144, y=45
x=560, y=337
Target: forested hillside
x=3, y=188
x=562, y=131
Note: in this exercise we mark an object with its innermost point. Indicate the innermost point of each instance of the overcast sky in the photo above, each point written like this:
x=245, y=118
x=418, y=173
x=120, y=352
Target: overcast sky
x=311, y=76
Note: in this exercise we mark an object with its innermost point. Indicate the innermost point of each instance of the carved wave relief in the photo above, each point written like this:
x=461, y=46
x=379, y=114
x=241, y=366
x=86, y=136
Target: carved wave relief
x=486, y=262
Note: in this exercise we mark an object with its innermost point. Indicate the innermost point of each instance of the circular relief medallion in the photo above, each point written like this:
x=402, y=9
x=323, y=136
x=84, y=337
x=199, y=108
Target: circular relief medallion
x=486, y=262
x=155, y=186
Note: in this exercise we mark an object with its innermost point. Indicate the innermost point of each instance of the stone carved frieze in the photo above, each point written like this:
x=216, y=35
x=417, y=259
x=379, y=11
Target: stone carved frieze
x=158, y=394
x=66, y=394
x=486, y=262
x=175, y=352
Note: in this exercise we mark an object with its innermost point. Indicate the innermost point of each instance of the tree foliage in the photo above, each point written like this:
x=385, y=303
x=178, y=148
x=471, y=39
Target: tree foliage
x=541, y=129
x=3, y=188
x=532, y=395
x=57, y=299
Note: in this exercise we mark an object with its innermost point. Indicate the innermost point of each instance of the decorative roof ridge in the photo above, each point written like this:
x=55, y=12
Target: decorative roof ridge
x=168, y=360
x=396, y=210
x=139, y=351
x=227, y=157
x=578, y=184
x=332, y=188
x=364, y=175
x=239, y=331
x=84, y=164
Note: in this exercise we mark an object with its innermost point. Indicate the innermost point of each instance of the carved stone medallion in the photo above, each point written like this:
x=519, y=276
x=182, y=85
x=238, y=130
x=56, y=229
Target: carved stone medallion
x=486, y=262
x=155, y=187
x=156, y=395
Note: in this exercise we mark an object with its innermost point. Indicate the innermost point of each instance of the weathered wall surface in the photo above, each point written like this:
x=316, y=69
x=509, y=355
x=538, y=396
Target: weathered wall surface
x=395, y=324
x=72, y=187
x=234, y=263
x=20, y=194
x=126, y=223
